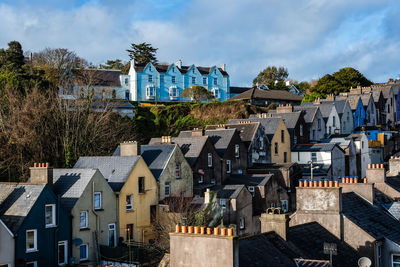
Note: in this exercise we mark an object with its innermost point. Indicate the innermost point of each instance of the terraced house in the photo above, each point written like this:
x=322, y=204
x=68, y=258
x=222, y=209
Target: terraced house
x=166, y=82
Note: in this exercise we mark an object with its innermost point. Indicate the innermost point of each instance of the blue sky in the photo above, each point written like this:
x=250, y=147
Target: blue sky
x=309, y=37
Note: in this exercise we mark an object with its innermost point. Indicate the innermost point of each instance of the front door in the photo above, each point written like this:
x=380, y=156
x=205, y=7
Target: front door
x=112, y=236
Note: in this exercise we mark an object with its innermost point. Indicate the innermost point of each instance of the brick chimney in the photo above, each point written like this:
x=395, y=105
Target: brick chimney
x=130, y=148
x=317, y=100
x=166, y=140
x=271, y=221
x=390, y=80
x=330, y=97
x=41, y=173
x=394, y=165
x=284, y=108
x=376, y=173
x=196, y=132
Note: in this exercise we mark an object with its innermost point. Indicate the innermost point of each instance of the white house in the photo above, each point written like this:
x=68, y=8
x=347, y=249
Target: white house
x=314, y=121
x=363, y=158
x=330, y=115
x=8, y=246
x=328, y=159
x=349, y=147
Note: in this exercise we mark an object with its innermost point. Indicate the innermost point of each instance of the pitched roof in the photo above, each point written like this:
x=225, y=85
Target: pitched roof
x=370, y=218
x=341, y=141
x=16, y=201
x=309, y=112
x=365, y=99
x=267, y=94
x=221, y=139
x=70, y=184
x=97, y=77
x=115, y=170
x=290, y=119
x=353, y=101
x=247, y=131
x=157, y=157
x=191, y=146
x=270, y=124
x=326, y=109
x=339, y=104
x=238, y=90
x=249, y=179
x=314, y=147
x=227, y=191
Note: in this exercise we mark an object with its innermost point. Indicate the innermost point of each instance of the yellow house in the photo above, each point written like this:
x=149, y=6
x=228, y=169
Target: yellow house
x=278, y=135
x=136, y=190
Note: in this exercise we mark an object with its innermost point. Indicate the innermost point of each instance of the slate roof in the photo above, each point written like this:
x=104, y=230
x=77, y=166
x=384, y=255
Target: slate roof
x=97, y=77
x=247, y=131
x=394, y=182
x=365, y=99
x=370, y=218
x=238, y=90
x=309, y=112
x=221, y=139
x=70, y=184
x=16, y=201
x=353, y=101
x=157, y=157
x=227, y=191
x=267, y=94
x=314, y=147
x=290, y=119
x=115, y=170
x=339, y=104
x=270, y=124
x=342, y=142
x=191, y=146
x=393, y=208
x=248, y=180
x=326, y=109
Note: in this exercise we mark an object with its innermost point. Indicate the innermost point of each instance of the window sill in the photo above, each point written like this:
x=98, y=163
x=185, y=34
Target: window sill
x=101, y=209
x=131, y=210
x=51, y=226
x=84, y=229
x=32, y=250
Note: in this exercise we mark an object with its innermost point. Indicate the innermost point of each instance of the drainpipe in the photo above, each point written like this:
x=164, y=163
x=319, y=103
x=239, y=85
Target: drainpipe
x=56, y=231
x=97, y=220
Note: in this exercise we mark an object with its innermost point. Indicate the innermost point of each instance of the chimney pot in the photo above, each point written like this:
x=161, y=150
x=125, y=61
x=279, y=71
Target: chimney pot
x=184, y=229
x=35, y=165
x=223, y=231
x=177, y=228
x=191, y=229
x=208, y=231
x=202, y=230
x=216, y=231
x=365, y=180
x=196, y=230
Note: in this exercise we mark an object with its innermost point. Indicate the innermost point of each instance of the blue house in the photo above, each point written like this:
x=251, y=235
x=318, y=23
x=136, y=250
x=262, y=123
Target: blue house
x=166, y=82
x=358, y=110
x=39, y=228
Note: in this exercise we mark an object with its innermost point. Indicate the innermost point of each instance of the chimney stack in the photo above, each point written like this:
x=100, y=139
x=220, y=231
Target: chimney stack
x=41, y=173
x=287, y=108
x=179, y=63
x=166, y=140
x=271, y=221
x=197, y=132
x=130, y=148
x=394, y=165
x=330, y=97
x=376, y=173
x=223, y=67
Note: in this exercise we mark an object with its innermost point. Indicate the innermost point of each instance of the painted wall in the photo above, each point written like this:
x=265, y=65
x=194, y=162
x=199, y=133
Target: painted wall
x=359, y=115
x=317, y=130
x=370, y=113
x=333, y=122
x=7, y=246
x=139, y=216
x=258, y=151
x=98, y=220
x=347, y=122
x=282, y=146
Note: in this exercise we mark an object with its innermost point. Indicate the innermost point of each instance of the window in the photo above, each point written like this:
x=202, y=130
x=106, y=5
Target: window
x=319, y=124
x=31, y=264
x=204, y=80
x=261, y=142
x=334, y=121
x=216, y=93
x=241, y=223
x=50, y=215
x=212, y=181
x=313, y=156
x=193, y=79
x=173, y=92
x=276, y=148
x=251, y=190
x=126, y=81
x=128, y=202
x=31, y=240
x=215, y=71
x=210, y=160
x=284, y=205
x=395, y=260
x=193, y=70
x=167, y=189
x=228, y=166
x=237, y=154
x=161, y=78
x=178, y=170
x=62, y=253
x=173, y=79
x=301, y=129
x=127, y=95
x=173, y=69
x=153, y=213
x=362, y=144
x=97, y=200
x=222, y=202
x=201, y=179
x=330, y=129
x=282, y=136
x=112, y=236
x=83, y=252
x=129, y=232
x=284, y=157
x=150, y=91
x=295, y=139
x=150, y=78
x=149, y=68
x=141, y=185
x=215, y=81
x=83, y=219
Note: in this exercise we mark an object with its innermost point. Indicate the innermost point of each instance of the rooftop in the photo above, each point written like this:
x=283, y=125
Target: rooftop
x=157, y=157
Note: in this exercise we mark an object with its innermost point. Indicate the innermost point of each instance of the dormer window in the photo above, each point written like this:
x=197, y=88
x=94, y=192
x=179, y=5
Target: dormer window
x=173, y=69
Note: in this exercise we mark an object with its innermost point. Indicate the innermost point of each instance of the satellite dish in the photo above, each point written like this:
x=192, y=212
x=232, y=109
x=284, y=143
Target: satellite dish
x=77, y=241
x=364, y=262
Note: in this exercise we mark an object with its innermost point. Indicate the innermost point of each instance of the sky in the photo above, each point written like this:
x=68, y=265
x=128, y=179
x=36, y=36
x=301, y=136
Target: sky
x=309, y=37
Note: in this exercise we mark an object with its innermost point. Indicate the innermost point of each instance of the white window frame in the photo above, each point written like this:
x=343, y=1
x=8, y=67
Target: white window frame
x=31, y=262
x=285, y=205
x=237, y=151
x=242, y=223
x=94, y=201
x=131, y=204
x=301, y=129
x=65, y=243
x=173, y=79
x=204, y=80
x=201, y=179
x=150, y=78
x=35, y=248
x=393, y=262
x=150, y=89
x=222, y=202
x=115, y=234
x=87, y=252
x=251, y=189
x=216, y=93
x=229, y=166
x=193, y=79
x=177, y=170
x=312, y=156
x=53, y=215
x=167, y=185
x=173, y=92
x=86, y=221
x=209, y=159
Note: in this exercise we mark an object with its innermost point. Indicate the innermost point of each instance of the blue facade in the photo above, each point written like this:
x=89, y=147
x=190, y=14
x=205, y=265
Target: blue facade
x=359, y=114
x=47, y=238
x=166, y=82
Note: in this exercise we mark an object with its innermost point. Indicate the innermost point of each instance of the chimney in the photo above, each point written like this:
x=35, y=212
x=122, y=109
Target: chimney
x=223, y=67
x=207, y=196
x=132, y=63
x=390, y=80
x=279, y=223
x=166, y=140
x=284, y=108
x=196, y=132
x=179, y=63
x=330, y=97
x=41, y=173
x=376, y=173
x=317, y=100
x=394, y=165
x=130, y=148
